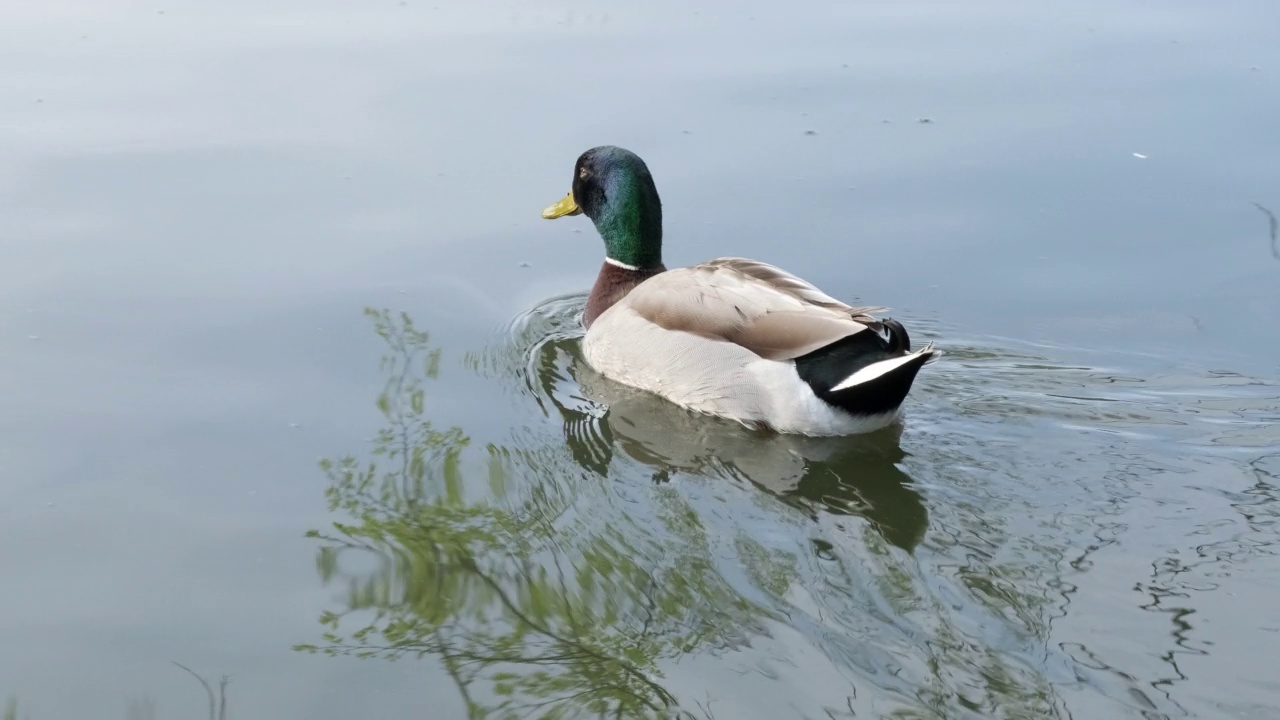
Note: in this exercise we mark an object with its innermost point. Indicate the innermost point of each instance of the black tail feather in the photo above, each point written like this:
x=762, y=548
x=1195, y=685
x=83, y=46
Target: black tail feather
x=827, y=367
x=883, y=394
x=899, y=340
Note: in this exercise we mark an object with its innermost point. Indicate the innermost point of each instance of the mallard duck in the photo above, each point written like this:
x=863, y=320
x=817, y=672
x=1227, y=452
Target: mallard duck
x=731, y=337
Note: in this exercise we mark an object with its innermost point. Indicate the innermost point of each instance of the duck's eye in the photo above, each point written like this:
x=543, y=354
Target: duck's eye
x=583, y=173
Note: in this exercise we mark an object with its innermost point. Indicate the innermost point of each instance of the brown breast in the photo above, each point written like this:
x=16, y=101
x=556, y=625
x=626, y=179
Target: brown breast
x=612, y=284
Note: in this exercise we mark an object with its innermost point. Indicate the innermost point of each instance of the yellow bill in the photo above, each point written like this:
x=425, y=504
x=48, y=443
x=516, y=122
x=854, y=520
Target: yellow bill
x=566, y=206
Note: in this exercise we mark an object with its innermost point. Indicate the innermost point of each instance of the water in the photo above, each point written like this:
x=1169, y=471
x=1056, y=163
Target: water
x=1077, y=518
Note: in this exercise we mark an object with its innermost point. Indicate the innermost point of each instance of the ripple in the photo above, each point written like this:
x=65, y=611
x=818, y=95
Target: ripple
x=953, y=564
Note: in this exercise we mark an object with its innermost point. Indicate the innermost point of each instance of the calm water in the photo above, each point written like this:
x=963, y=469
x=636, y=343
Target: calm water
x=292, y=384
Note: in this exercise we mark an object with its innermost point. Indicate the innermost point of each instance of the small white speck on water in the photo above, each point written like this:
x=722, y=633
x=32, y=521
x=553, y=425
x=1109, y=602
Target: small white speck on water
x=294, y=425
x=50, y=505
x=1140, y=156
x=33, y=337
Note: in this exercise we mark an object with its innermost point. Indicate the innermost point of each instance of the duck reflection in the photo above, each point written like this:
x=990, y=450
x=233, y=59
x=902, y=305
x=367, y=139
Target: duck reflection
x=857, y=475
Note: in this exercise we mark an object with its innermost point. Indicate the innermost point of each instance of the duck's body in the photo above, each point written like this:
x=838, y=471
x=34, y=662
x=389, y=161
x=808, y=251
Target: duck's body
x=731, y=337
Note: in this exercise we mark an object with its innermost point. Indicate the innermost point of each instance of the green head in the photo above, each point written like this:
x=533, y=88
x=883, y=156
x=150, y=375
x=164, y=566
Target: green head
x=613, y=187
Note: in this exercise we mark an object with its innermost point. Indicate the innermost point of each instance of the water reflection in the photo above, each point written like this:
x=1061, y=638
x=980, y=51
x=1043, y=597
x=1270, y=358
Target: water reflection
x=530, y=606
x=564, y=570
x=847, y=476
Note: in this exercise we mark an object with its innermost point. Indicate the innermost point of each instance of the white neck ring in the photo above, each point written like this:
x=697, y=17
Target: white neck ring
x=620, y=264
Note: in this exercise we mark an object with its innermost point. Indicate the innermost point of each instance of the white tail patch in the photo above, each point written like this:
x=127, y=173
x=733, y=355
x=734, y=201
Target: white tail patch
x=875, y=370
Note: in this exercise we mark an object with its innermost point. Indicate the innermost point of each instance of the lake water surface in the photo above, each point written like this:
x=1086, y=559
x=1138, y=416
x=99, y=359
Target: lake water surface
x=292, y=387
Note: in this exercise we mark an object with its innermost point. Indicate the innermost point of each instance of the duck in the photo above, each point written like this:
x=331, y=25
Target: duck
x=731, y=337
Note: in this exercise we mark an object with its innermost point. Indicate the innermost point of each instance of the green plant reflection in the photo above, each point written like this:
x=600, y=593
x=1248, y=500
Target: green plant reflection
x=538, y=599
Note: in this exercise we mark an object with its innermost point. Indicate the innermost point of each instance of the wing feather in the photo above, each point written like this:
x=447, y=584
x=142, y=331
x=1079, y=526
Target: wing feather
x=763, y=308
